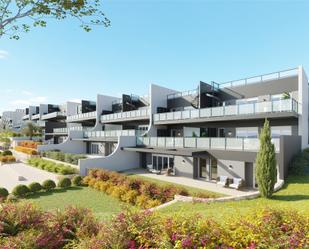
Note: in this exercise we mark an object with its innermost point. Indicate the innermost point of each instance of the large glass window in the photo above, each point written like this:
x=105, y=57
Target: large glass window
x=203, y=168
x=277, y=131
x=247, y=132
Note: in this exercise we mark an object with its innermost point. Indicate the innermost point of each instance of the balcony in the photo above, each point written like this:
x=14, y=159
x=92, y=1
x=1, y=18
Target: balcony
x=82, y=117
x=126, y=116
x=67, y=129
x=226, y=112
x=103, y=134
x=53, y=115
x=35, y=117
x=26, y=117
x=215, y=143
x=41, y=123
x=261, y=78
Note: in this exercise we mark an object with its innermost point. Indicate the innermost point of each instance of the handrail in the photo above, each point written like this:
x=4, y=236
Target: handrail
x=82, y=116
x=214, y=143
x=182, y=94
x=126, y=115
x=260, y=77
x=282, y=105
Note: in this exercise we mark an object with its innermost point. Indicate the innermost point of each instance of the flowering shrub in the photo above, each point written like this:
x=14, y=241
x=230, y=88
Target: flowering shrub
x=131, y=190
x=7, y=159
x=22, y=225
x=26, y=150
x=29, y=144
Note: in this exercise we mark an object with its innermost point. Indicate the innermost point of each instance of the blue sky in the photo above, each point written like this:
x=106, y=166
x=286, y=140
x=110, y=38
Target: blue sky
x=172, y=43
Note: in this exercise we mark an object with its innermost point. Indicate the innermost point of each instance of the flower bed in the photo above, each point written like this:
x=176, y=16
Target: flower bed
x=26, y=150
x=64, y=157
x=25, y=226
x=7, y=159
x=29, y=144
x=51, y=166
x=134, y=191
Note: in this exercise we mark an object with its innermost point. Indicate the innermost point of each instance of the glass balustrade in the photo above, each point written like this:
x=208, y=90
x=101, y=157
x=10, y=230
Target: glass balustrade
x=214, y=143
x=282, y=105
x=82, y=116
x=116, y=133
x=142, y=113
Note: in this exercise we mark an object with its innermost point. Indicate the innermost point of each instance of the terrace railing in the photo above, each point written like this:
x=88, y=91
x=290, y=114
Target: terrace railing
x=142, y=113
x=53, y=115
x=282, y=105
x=261, y=78
x=82, y=116
x=207, y=143
x=115, y=133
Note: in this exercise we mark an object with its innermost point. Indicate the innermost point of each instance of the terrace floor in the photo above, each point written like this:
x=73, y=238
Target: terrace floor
x=9, y=174
x=200, y=184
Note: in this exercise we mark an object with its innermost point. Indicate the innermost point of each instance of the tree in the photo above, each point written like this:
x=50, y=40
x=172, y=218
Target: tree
x=30, y=130
x=266, y=165
x=18, y=16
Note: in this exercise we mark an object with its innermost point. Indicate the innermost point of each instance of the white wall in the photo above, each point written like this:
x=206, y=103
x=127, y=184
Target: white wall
x=303, y=106
x=119, y=160
x=158, y=98
x=69, y=145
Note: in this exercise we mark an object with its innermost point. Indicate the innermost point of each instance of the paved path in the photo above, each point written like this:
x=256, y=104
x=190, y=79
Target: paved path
x=192, y=183
x=9, y=175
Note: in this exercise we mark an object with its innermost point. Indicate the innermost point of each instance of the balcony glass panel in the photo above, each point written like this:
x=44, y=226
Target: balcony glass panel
x=177, y=115
x=169, y=142
x=170, y=116
x=153, y=141
x=161, y=141
x=217, y=111
x=217, y=143
x=178, y=142
x=251, y=144
x=205, y=113
x=190, y=142
x=195, y=113
x=234, y=143
x=156, y=117
x=282, y=105
x=162, y=116
x=230, y=110
x=263, y=107
x=185, y=114
x=202, y=142
x=244, y=109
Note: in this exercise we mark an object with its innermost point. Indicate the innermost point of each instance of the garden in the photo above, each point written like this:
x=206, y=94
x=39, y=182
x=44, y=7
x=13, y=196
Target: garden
x=52, y=166
x=63, y=157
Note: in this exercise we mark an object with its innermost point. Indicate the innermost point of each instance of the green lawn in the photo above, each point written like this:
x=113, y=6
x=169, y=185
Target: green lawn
x=294, y=195
x=101, y=204
x=192, y=191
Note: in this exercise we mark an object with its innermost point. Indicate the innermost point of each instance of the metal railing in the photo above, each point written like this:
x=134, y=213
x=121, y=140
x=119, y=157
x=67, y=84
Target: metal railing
x=261, y=78
x=27, y=116
x=213, y=143
x=82, y=116
x=282, y=105
x=67, y=129
x=36, y=116
x=41, y=123
x=53, y=115
x=142, y=113
x=182, y=94
x=102, y=134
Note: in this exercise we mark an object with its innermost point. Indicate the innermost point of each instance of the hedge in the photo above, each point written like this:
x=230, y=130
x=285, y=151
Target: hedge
x=77, y=180
x=25, y=150
x=6, y=153
x=64, y=183
x=64, y=157
x=51, y=166
x=7, y=159
x=3, y=193
x=29, y=144
x=35, y=187
x=20, y=190
x=48, y=185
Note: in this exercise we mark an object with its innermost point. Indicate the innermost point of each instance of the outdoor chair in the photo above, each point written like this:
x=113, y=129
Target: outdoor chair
x=223, y=181
x=237, y=182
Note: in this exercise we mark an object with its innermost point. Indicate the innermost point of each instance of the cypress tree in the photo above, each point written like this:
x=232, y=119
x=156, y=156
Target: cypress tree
x=266, y=165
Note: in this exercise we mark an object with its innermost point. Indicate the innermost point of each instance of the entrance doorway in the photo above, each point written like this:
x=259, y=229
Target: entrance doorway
x=203, y=168
x=213, y=168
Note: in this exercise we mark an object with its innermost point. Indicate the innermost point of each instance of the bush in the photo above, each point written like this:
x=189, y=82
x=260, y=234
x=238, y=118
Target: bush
x=3, y=193
x=77, y=180
x=51, y=166
x=26, y=150
x=64, y=157
x=300, y=163
x=7, y=159
x=64, y=183
x=29, y=144
x=35, y=187
x=48, y=185
x=7, y=153
x=20, y=190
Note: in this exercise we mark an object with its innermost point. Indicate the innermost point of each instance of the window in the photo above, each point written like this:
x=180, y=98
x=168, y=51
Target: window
x=277, y=131
x=247, y=132
x=162, y=162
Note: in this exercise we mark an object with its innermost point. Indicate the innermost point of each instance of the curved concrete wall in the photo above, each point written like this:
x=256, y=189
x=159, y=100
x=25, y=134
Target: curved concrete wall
x=119, y=160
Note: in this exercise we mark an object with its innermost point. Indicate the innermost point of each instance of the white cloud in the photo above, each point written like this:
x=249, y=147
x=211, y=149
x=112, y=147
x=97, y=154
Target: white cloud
x=3, y=54
x=17, y=103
